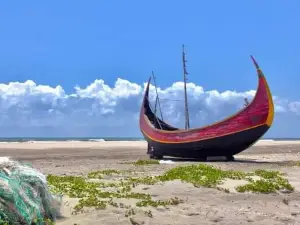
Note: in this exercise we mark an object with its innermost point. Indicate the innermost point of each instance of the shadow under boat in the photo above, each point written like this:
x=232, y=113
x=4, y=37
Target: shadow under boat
x=236, y=161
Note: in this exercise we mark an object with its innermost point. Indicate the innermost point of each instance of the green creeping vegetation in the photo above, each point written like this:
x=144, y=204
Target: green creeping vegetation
x=91, y=195
x=295, y=163
x=271, y=181
x=99, y=174
x=142, y=162
x=209, y=176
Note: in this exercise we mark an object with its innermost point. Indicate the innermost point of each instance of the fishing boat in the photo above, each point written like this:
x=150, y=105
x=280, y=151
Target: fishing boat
x=224, y=138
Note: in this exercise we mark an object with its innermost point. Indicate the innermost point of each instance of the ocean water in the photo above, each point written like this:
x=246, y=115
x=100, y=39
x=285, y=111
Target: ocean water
x=98, y=139
x=91, y=139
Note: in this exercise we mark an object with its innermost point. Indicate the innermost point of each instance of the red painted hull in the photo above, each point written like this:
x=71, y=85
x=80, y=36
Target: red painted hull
x=259, y=113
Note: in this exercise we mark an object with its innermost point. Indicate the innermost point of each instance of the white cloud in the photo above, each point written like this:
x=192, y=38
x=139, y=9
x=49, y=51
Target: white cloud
x=29, y=109
x=294, y=107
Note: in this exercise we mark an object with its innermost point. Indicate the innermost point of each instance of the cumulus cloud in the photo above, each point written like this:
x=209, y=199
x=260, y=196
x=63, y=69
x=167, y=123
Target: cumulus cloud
x=30, y=109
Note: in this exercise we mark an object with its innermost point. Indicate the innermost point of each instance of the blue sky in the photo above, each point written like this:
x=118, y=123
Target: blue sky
x=74, y=43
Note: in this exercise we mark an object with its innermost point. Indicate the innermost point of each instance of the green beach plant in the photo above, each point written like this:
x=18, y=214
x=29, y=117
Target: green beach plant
x=93, y=194
x=142, y=162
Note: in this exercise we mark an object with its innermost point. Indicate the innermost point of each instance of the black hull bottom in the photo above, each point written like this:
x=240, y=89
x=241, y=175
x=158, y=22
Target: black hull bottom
x=228, y=145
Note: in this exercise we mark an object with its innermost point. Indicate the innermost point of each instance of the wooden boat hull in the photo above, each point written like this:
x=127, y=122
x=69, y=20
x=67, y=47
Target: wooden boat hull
x=224, y=138
x=227, y=145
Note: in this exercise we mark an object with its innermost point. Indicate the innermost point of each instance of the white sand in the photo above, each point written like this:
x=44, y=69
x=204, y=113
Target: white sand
x=200, y=206
x=70, y=144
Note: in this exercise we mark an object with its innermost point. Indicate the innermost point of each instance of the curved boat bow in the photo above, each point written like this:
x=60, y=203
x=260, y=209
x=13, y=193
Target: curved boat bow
x=224, y=138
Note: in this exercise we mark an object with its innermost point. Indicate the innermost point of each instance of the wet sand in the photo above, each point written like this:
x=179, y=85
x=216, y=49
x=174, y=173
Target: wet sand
x=200, y=206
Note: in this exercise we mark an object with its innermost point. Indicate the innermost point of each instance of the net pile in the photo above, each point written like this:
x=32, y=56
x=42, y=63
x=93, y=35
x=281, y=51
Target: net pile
x=24, y=195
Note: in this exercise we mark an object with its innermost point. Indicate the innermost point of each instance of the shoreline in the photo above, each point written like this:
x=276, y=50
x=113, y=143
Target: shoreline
x=111, y=144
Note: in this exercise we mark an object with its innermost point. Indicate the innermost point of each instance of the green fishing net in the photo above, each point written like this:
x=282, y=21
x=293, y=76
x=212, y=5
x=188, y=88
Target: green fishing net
x=24, y=195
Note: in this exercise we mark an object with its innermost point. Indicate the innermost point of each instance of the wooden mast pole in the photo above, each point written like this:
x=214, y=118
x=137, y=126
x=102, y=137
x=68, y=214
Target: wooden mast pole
x=157, y=97
x=185, y=73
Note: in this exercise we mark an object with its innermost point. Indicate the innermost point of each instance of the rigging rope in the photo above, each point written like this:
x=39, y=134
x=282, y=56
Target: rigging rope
x=156, y=117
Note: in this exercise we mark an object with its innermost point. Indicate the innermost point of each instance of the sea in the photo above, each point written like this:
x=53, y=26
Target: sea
x=49, y=139
x=98, y=139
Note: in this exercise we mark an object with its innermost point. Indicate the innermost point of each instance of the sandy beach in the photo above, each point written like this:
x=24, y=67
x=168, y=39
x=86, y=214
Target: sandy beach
x=198, y=205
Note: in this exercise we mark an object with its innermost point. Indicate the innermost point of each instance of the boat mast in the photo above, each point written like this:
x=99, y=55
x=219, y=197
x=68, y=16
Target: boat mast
x=187, y=119
x=246, y=102
x=157, y=98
